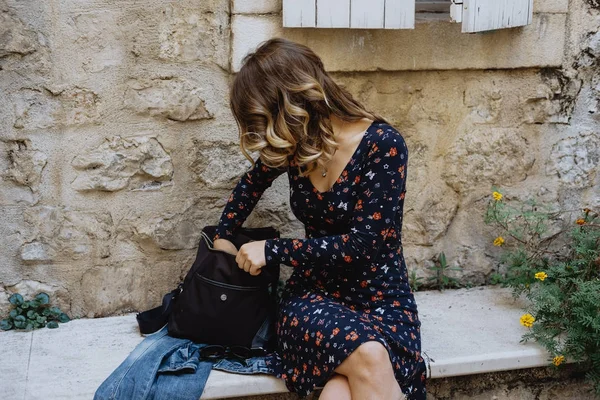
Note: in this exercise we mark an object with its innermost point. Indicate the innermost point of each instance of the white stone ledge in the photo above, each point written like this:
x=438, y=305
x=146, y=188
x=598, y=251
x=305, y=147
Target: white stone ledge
x=464, y=332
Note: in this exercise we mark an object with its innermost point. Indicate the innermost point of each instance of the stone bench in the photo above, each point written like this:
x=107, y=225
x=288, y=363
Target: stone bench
x=464, y=332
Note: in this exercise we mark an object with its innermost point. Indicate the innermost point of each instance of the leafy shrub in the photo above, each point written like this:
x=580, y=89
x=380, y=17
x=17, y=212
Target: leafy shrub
x=562, y=284
x=32, y=314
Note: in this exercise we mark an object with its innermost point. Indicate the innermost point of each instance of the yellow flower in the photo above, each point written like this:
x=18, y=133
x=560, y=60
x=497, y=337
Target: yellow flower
x=527, y=320
x=499, y=241
x=497, y=196
x=580, y=221
x=541, y=276
x=558, y=360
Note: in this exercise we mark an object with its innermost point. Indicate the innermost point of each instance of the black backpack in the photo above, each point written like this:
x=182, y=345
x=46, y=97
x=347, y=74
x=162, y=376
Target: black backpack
x=219, y=303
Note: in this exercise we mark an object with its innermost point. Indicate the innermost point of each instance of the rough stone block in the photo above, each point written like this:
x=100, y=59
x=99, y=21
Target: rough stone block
x=25, y=164
x=175, y=230
x=169, y=97
x=128, y=285
x=185, y=34
x=34, y=109
x=218, y=164
x=553, y=100
x=36, y=251
x=136, y=163
x=439, y=207
x=575, y=160
x=15, y=38
x=52, y=106
x=61, y=234
x=92, y=40
x=477, y=159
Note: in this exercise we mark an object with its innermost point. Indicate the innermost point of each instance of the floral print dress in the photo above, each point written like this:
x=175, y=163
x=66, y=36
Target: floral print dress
x=350, y=283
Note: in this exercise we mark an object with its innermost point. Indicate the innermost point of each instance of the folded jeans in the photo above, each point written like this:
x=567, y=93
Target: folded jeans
x=162, y=367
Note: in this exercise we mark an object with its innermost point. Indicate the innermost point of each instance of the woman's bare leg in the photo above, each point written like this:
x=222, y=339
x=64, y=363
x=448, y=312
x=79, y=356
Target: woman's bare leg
x=370, y=373
x=336, y=388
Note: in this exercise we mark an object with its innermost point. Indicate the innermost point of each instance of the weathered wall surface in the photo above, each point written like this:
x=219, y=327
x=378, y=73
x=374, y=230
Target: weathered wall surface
x=117, y=144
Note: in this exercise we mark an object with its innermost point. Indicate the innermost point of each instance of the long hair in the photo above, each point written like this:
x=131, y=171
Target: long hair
x=282, y=100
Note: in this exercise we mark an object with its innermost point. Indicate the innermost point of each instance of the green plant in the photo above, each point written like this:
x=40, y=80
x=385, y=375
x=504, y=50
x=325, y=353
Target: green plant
x=440, y=278
x=496, y=278
x=32, y=314
x=414, y=281
x=562, y=284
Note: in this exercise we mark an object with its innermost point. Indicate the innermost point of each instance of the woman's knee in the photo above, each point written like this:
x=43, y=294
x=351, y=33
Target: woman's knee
x=368, y=359
x=373, y=354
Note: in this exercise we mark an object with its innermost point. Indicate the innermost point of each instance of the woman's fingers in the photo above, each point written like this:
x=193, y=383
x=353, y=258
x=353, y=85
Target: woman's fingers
x=245, y=263
x=255, y=270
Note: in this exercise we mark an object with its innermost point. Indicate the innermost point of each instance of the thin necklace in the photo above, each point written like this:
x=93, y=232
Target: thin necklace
x=324, y=174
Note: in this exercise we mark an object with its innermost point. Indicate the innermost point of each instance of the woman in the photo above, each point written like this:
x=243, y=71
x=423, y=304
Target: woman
x=348, y=319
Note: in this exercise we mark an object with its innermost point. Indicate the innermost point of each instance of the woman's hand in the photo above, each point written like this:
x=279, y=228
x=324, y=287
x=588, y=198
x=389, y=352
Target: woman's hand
x=226, y=246
x=251, y=257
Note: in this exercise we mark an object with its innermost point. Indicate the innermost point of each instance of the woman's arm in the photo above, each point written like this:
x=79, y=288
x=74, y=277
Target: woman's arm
x=244, y=197
x=381, y=189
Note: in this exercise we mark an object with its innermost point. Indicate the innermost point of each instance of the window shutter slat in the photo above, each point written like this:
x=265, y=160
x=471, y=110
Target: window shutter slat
x=299, y=13
x=333, y=13
x=484, y=15
x=358, y=14
x=399, y=14
x=366, y=13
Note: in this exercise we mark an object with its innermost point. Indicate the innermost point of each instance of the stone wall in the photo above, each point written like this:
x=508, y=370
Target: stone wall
x=117, y=144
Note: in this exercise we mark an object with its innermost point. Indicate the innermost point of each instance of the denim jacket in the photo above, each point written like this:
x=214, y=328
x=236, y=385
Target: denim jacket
x=162, y=367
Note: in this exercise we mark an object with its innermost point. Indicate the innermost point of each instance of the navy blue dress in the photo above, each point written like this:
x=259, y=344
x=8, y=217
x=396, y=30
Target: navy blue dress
x=350, y=283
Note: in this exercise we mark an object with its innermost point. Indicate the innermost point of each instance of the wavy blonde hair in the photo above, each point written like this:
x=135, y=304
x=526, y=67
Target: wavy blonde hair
x=282, y=100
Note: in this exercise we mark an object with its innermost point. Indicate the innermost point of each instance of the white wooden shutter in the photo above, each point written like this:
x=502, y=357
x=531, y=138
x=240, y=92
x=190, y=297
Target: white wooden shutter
x=367, y=13
x=359, y=14
x=333, y=13
x=299, y=13
x=485, y=15
x=400, y=14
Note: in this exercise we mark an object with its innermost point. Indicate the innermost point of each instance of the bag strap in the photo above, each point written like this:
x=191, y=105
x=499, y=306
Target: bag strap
x=208, y=239
x=154, y=319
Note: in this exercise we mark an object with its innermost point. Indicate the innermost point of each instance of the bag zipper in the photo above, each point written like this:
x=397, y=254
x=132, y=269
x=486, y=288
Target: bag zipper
x=227, y=285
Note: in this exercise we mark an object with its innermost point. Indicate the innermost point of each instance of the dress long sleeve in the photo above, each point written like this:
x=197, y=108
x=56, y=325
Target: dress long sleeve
x=244, y=197
x=381, y=188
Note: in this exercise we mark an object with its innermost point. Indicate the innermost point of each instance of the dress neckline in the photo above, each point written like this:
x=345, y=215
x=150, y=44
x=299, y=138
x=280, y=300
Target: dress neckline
x=335, y=183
